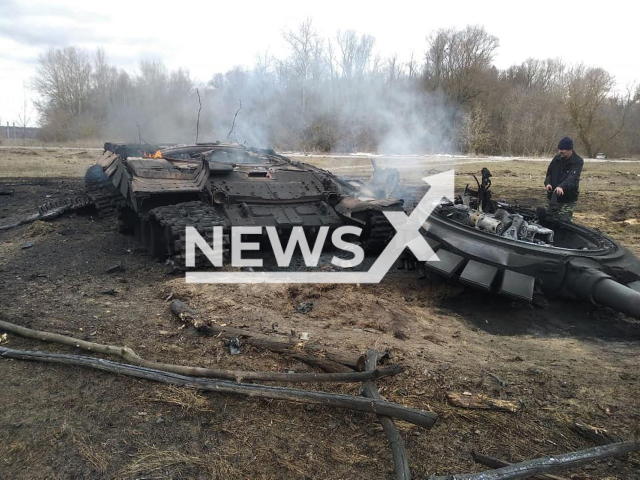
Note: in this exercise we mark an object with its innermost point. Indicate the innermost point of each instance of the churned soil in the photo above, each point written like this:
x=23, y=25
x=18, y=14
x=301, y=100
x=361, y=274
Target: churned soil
x=561, y=362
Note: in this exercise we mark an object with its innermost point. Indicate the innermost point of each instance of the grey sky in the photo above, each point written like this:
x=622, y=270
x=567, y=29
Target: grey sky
x=210, y=37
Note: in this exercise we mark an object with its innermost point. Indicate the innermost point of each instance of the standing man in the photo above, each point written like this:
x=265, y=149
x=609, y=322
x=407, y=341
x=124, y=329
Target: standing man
x=563, y=180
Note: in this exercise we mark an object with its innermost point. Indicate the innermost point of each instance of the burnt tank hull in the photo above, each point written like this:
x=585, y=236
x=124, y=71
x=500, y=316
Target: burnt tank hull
x=157, y=193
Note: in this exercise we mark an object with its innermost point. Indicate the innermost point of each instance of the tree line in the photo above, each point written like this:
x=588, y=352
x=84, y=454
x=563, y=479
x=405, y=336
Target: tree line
x=338, y=95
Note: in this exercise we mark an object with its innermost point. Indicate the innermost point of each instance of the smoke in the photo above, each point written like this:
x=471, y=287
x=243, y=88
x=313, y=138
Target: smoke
x=311, y=102
x=420, y=123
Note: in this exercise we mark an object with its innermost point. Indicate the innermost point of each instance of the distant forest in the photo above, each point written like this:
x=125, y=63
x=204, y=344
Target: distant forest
x=338, y=95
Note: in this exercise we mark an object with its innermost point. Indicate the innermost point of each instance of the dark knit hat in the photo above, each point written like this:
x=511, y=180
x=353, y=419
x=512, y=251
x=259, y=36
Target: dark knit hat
x=565, y=144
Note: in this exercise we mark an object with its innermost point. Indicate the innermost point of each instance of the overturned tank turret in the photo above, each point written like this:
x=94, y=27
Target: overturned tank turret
x=516, y=252
x=156, y=191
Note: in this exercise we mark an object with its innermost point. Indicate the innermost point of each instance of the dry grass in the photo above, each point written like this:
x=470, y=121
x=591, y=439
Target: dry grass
x=163, y=462
x=96, y=458
x=185, y=398
x=12, y=452
x=46, y=162
x=39, y=229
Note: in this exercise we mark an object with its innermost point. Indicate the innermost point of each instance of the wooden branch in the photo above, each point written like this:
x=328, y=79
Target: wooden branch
x=129, y=355
x=597, y=435
x=482, y=402
x=233, y=124
x=400, y=457
x=412, y=415
x=497, y=463
x=537, y=466
x=330, y=360
x=199, y=110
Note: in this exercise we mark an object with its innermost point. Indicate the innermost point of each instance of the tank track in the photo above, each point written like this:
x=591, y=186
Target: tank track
x=106, y=198
x=64, y=205
x=378, y=233
x=167, y=230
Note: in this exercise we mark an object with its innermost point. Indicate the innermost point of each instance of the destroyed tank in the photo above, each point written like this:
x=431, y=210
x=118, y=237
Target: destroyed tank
x=517, y=252
x=156, y=191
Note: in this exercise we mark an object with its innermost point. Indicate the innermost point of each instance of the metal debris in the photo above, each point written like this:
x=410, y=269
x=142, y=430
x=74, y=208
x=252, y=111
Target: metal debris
x=305, y=307
x=234, y=346
x=115, y=268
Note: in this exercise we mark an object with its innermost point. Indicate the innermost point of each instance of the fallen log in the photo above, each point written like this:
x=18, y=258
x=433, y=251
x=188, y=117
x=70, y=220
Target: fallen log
x=326, y=358
x=131, y=356
x=411, y=415
x=493, y=462
x=400, y=457
x=552, y=463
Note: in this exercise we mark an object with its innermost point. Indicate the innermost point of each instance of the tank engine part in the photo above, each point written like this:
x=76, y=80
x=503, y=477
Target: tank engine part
x=486, y=223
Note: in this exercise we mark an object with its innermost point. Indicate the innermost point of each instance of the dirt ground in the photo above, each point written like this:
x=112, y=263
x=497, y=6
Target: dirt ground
x=564, y=362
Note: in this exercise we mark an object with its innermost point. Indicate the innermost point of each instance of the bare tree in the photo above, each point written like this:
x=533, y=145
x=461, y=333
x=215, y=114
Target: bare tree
x=587, y=92
x=263, y=63
x=356, y=52
x=340, y=94
x=64, y=77
x=24, y=116
x=457, y=60
x=63, y=82
x=412, y=66
x=306, y=48
x=623, y=103
x=393, y=69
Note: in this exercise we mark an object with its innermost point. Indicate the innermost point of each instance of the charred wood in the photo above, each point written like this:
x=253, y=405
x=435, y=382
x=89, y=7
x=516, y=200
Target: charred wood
x=412, y=415
x=129, y=355
x=552, y=463
x=482, y=402
x=400, y=457
x=493, y=462
x=597, y=435
x=330, y=360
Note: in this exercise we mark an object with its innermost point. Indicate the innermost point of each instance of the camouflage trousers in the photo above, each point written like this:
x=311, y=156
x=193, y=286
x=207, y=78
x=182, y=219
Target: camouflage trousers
x=563, y=211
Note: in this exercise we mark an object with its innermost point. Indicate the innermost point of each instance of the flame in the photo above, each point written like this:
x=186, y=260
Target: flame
x=158, y=154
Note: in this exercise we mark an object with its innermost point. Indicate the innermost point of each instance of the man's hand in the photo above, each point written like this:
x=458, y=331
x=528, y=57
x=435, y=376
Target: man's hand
x=549, y=188
x=559, y=191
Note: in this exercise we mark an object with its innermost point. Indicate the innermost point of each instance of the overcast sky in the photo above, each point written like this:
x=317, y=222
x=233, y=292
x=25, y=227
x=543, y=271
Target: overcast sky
x=210, y=37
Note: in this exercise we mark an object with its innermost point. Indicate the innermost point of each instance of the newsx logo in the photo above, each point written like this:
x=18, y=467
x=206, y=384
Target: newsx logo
x=283, y=256
x=407, y=236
